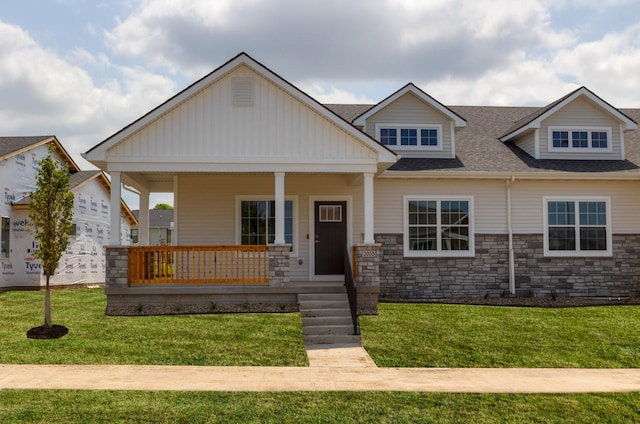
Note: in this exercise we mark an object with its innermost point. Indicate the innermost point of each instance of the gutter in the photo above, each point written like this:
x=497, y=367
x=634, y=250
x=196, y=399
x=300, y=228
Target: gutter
x=512, y=265
x=567, y=176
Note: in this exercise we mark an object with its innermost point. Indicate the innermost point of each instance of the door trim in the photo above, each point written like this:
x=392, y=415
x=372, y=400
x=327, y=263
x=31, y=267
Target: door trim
x=312, y=233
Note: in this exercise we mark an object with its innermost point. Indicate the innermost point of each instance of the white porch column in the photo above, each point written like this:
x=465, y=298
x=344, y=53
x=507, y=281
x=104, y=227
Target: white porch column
x=174, y=230
x=143, y=219
x=116, y=194
x=279, y=208
x=368, y=208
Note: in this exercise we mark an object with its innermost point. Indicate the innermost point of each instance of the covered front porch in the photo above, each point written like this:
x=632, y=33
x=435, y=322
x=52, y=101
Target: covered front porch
x=232, y=250
x=251, y=161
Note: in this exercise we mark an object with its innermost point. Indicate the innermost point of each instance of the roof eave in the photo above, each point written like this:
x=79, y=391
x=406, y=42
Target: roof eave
x=526, y=175
x=459, y=122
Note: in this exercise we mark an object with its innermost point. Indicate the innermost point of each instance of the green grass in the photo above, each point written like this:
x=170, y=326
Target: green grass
x=67, y=406
x=435, y=335
x=219, y=339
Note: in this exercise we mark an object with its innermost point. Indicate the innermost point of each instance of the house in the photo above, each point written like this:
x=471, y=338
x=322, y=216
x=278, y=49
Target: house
x=84, y=262
x=160, y=227
x=430, y=200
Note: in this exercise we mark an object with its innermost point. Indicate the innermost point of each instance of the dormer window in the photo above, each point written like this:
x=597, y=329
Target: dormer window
x=579, y=139
x=410, y=137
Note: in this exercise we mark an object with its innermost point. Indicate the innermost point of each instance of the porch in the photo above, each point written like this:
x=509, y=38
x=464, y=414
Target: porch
x=143, y=280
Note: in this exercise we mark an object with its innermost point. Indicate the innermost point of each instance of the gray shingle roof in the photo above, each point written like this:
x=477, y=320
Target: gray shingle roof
x=348, y=112
x=158, y=218
x=478, y=148
x=9, y=145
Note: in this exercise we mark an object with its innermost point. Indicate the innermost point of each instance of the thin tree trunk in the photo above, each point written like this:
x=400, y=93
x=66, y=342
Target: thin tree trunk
x=47, y=305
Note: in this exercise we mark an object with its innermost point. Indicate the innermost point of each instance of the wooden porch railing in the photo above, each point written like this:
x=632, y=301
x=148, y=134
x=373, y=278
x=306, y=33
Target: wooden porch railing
x=198, y=264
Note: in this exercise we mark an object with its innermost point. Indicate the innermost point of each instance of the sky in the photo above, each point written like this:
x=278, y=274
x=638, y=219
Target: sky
x=83, y=69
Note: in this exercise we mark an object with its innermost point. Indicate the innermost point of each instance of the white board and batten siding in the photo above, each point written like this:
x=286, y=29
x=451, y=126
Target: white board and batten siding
x=581, y=113
x=208, y=208
x=409, y=110
x=213, y=127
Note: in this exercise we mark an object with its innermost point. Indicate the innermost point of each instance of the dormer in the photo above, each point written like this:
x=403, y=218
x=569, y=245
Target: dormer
x=578, y=126
x=413, y=124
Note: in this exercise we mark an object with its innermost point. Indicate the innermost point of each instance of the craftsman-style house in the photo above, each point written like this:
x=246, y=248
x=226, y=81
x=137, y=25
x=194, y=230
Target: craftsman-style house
x=429, y=200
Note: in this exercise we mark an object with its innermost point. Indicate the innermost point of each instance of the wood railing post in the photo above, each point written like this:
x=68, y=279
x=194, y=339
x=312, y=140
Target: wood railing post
x=198, y=264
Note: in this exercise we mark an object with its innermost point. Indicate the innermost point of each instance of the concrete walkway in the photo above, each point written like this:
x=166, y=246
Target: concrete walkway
x=340, y=368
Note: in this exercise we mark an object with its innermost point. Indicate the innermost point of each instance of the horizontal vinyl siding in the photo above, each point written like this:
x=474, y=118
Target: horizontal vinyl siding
x=209, y=128
x=207, y=207
x=528, y=209
x=580, y=113
x=490, y=205
x=527, y=143
x=408, y=109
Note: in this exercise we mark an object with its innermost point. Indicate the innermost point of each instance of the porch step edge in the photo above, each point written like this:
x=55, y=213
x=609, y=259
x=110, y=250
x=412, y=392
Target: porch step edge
x=331, y=339
x=329, y=330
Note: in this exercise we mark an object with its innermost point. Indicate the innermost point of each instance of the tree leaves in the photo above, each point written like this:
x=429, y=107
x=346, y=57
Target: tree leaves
x=51, y=212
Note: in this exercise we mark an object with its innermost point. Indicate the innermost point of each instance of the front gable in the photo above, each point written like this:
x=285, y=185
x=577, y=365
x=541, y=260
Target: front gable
x=579, y=126
x=413, y=124
x=240, y=118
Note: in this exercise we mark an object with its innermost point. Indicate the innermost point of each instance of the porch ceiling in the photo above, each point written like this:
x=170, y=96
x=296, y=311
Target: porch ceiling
x=163, y=181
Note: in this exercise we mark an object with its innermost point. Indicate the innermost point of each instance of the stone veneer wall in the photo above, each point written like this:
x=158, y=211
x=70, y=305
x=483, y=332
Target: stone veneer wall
x=615, y=276
x=367, y=258
x=279, y=265
x=117, y=273
x=488, y=272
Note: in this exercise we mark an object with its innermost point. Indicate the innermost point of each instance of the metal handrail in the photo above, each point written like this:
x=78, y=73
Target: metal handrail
x=352, y=291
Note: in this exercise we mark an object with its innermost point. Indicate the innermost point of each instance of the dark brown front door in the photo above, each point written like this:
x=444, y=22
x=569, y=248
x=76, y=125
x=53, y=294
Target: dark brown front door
x=330, y=237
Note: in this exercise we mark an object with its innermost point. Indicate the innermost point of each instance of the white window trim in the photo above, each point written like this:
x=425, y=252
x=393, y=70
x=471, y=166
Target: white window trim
x=437, y=253
x=418, y=127
x=577, y=253
x=588, y=149
x=258, y=197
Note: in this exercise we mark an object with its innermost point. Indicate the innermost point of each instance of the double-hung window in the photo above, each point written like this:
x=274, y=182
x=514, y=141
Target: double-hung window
x=577, y=226
x=580, y=138
x=413, y=137
x=438, y=226
x=258, y=221
x=5, y=232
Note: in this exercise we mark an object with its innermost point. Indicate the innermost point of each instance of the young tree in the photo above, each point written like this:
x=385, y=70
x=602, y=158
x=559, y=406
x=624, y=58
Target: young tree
x=50, y=213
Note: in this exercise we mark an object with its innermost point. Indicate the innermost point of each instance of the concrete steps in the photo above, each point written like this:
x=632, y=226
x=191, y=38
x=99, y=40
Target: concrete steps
x=326, y=318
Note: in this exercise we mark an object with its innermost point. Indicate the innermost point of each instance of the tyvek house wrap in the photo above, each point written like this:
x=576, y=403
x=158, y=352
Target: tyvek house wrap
x=84, y=261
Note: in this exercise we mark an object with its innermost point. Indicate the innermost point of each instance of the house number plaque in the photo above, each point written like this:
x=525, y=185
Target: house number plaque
x=369, y=253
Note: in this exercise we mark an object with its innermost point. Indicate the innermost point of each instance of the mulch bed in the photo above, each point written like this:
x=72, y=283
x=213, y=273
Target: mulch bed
x=536, y=302
x=45, y=333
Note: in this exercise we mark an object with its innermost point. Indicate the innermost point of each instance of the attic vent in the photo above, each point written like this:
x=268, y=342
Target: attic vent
x=243, y=92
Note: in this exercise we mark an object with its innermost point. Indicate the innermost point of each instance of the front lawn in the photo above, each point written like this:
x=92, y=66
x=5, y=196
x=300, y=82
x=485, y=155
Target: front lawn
x=436, y=335
x=69, y=406
x=220, y=339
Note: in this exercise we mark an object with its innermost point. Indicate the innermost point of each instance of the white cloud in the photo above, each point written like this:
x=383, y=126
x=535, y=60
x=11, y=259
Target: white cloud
x=332, y=94
x=522, y=83
x=397, y=39
x=609, y=66
x=43, y=93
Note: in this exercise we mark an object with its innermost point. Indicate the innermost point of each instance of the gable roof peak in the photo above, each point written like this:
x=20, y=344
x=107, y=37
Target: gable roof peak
x=420, y=94
x=534, y=120
x=98, y=153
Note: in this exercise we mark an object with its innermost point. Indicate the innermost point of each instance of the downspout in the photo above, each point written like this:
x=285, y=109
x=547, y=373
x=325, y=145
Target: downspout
x=512, y=264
